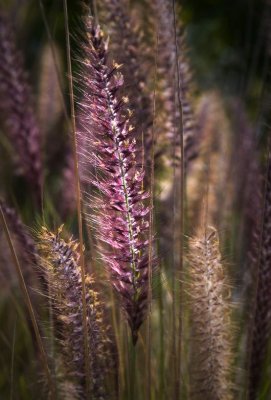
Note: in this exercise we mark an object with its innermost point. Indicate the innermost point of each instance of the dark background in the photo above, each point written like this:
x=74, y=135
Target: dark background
x=226, y=37
x=229, y=44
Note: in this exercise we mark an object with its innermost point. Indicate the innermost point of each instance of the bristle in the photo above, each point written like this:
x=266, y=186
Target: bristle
x=16, y=109
x=118, y=204
x=61, y=261
x=127, y=46
x=210, y=319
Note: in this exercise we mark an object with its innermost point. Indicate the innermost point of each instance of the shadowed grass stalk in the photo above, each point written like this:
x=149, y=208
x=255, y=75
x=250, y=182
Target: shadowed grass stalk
x=78, y=198
x=51, y=387
x=261, y=324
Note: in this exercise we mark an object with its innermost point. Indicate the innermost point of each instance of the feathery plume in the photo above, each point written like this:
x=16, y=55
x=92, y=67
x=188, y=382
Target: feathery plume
x=16, y=108
x=210, y=319
x=121, y=213
x=61, y=261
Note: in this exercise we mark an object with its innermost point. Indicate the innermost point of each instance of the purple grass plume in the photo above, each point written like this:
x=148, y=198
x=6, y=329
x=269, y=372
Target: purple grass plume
x=118, y=204
x=61, y=263
x=16, y=109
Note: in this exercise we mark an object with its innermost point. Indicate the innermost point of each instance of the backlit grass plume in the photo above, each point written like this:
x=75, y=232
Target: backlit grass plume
x=118, y=204
x=210, y=312
x=16, y=108
x=61, y=262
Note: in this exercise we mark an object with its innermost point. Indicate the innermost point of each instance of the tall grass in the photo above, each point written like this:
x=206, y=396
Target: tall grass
x=134, y=224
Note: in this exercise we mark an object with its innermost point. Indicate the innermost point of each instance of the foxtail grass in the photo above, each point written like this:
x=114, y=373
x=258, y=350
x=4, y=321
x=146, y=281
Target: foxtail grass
x=61, y=264
x=209, y=294
x=117, y=205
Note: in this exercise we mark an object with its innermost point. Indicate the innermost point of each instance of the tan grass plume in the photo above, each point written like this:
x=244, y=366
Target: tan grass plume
x=209, y=295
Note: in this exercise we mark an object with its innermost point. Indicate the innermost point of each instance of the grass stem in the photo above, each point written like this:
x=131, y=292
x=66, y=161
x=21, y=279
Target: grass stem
x=78, y=199
x=28, y=302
